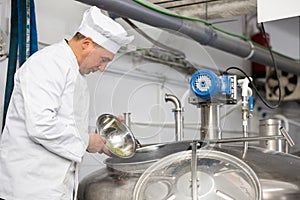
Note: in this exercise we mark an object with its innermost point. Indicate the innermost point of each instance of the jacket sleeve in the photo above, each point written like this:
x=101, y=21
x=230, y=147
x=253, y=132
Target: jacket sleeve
x=43, y=84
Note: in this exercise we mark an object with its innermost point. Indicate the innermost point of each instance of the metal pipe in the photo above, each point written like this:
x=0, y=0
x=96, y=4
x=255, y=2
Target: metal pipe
x=287, y=136
x=245, y=109
x=127, y=119
x=247, y=139
x=178, y=110
x=194, y=176
x=201, y=33
x=210, y=122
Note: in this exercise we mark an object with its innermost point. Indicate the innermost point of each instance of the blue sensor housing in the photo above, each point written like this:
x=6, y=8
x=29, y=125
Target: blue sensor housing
x=205, y=84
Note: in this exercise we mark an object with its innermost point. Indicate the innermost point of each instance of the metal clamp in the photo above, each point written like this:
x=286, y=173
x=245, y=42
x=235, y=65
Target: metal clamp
x=251, y=52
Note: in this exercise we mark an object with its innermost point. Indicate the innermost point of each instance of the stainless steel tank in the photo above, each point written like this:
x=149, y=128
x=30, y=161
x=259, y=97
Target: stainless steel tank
x=204, y=174
x=270, y=127
x=117, y=180
x=276, y=172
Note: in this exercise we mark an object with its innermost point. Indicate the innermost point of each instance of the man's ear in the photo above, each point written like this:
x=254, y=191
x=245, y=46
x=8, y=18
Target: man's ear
x=87, y=43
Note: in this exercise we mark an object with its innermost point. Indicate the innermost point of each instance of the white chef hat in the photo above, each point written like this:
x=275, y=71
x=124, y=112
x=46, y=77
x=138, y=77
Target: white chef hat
x=103, y=30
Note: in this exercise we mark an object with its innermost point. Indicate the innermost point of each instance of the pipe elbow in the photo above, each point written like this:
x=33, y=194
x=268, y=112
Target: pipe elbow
x=174, y=100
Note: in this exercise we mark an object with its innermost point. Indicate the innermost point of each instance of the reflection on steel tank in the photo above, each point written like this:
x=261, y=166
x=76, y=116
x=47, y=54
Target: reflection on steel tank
x=118, y=179
x=270, y=127
x=275, y=172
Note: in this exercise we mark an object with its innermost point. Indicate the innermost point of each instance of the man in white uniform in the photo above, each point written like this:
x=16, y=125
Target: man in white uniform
x=43, y=139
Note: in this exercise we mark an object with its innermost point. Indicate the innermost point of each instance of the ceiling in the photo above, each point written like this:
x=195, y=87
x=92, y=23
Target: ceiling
x=209, y=9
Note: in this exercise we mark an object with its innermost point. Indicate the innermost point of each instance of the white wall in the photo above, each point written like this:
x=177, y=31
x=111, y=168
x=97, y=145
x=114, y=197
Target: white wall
x=268, y=10
x=138, y=86
x=285, y=36
x=57, y=19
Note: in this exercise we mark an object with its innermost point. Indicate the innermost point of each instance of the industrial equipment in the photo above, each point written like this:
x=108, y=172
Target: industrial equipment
x=211, y=168
x=178, y=115
x=269, y=127
x=203, y=33
x=118, y=179
x=209, y=92
x=251, y=172
x=290, y=85
x=203, y=174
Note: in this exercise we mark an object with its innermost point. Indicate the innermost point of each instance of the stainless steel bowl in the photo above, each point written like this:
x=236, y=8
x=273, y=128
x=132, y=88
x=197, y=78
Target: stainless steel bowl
x=119, y=138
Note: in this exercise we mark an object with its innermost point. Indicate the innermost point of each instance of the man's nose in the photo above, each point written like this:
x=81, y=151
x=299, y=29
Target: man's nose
x=102, y=67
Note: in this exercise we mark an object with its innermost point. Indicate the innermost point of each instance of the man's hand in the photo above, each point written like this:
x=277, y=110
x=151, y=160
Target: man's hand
x=97, y=144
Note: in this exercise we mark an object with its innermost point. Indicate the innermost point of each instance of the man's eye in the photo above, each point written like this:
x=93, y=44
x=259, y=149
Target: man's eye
x=104, y=59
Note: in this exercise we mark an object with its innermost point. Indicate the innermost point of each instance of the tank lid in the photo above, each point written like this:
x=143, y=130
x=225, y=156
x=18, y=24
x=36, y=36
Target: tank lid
x=270, y=121
x=219, y=176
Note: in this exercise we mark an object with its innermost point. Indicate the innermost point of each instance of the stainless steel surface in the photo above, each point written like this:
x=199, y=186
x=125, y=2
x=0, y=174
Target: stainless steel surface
x=287, y=136
x=107, y=184
x=127, y=119
x=270, y=127
x=178, y=114
x=276, y=171
x=194, y=175
x=146, y=156
x=210, y=121
x=117, y=180
x=119, y=139
x=246, y=139
x=221, y=176
x=245, y=117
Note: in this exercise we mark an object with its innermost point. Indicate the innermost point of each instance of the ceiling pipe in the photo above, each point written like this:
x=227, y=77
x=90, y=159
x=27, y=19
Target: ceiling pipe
x=201, y=33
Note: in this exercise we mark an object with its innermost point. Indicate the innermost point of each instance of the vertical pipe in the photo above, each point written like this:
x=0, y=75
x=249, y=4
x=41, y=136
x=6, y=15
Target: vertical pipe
x=245, y=109
x=194, y=177
x=12, y=59
x=210, y=122
x=178, y=114
x=127, y=119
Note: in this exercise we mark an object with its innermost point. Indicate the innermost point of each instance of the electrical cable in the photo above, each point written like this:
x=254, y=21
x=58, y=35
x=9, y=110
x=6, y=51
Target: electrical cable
x=276, y=72
x=255, y=89
x=233, y=35
x=137, y=29
x=165, y=12
x=274, y=63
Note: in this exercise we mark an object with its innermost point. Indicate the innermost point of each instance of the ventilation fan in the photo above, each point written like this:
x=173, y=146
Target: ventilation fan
x=290, y=85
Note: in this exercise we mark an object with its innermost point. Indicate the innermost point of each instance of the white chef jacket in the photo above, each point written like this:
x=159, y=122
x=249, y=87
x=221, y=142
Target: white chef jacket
x=41, y=144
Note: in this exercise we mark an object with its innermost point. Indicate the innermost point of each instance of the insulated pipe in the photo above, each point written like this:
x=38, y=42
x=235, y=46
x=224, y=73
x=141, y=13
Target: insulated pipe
x=178, y=110
x=201, y=33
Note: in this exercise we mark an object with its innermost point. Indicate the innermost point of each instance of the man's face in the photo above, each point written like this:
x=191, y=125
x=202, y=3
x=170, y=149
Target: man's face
x=97, y=59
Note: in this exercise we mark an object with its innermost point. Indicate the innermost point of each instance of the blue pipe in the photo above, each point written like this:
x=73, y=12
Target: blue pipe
x=20, y=29
x=12, y=59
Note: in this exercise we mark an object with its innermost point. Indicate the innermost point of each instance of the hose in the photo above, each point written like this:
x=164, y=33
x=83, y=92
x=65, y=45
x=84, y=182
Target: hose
x=23, y=36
